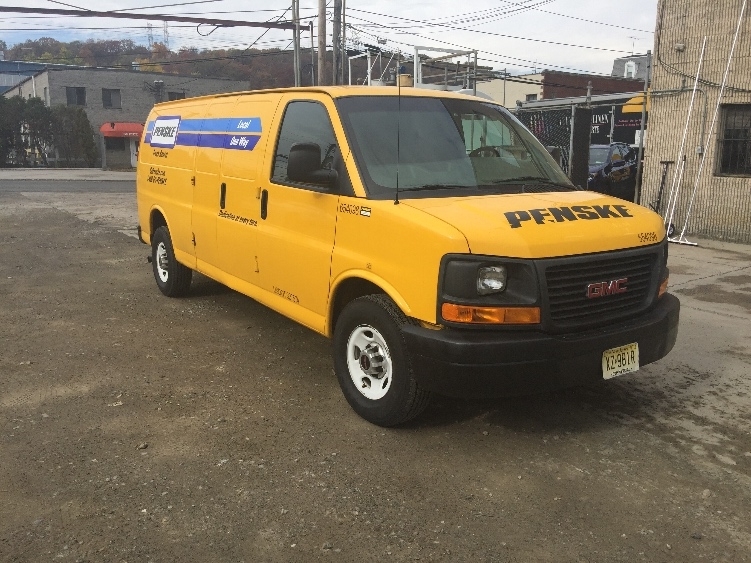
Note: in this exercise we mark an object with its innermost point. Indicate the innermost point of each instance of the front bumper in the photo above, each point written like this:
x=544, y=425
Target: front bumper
x=473, y=363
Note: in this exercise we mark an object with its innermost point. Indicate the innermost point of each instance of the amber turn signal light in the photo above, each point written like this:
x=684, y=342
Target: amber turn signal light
x=490, y=315
x=663, y=288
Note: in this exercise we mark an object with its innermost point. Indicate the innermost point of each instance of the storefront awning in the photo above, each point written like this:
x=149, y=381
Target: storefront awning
x=121, y=129
x=634, y=105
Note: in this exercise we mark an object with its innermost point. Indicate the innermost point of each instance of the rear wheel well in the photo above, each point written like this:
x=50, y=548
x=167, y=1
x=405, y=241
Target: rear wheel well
x=350, y=290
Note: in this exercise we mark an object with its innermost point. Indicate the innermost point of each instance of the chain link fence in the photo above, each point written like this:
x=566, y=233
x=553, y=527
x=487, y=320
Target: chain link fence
x=552, y=128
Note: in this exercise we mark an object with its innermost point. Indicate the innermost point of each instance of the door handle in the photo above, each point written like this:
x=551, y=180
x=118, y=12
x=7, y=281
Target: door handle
x=222, y=195
x=264, y=203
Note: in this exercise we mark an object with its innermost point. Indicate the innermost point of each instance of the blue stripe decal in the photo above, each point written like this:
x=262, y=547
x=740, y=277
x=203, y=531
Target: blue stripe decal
x=222, y=125
x=238, y=133
x=218, y=141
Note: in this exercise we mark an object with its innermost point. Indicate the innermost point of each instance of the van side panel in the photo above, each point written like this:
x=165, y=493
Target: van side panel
x=164, y=177
x=210, y=136
x=368, y=238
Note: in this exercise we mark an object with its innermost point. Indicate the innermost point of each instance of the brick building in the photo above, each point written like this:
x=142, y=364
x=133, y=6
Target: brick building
x=553, y=84
x=722, y=206
x=116, y=101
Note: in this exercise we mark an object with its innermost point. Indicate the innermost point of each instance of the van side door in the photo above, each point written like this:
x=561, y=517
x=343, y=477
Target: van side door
x=240, y=187
x=210, y=137
x=298, y=219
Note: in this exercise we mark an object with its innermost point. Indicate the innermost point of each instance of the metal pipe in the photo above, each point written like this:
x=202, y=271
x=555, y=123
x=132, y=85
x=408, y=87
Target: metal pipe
x=637, y=197
x=678, y=175
x=312, y=57
x=474, y=76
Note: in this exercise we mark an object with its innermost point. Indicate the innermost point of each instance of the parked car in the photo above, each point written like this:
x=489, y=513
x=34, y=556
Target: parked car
x=612, y=170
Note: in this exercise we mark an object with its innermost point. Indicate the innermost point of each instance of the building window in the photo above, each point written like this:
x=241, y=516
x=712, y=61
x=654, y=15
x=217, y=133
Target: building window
x=111, y=99
x=76, y=95
x=531, y=97
x=46, y=97
x=629, y=70
x=114, y=143
x=175, y=96
x=734, y=144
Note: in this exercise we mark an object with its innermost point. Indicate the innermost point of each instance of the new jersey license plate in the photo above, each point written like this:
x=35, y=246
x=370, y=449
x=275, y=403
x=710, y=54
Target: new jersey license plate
x=618, y=361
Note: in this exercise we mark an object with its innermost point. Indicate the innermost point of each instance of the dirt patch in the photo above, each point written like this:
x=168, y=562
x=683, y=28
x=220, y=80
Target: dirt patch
x=139, y=428
x=681, y=270
x=714, y=293
x=744, y=279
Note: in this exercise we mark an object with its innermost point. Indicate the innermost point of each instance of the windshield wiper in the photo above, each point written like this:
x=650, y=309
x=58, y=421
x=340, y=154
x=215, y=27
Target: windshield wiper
x=524, y=179
x=432, y=187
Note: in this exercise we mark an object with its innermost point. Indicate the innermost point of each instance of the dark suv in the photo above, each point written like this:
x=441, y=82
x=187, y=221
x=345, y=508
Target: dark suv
x=612, y=170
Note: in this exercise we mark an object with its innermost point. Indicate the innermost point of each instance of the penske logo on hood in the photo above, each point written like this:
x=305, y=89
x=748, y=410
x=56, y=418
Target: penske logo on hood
x=546, y=225
x=560, y=214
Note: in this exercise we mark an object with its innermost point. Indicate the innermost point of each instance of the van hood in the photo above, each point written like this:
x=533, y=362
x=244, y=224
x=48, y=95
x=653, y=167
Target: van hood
x=543, y=225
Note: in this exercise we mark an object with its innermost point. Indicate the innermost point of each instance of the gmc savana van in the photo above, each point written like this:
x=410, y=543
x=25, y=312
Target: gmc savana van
x=428, y=234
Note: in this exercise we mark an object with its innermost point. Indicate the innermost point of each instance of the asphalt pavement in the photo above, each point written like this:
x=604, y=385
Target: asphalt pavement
x=68, y=180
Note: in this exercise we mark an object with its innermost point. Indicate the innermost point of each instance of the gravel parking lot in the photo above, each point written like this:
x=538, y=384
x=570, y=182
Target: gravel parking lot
x=134, y=427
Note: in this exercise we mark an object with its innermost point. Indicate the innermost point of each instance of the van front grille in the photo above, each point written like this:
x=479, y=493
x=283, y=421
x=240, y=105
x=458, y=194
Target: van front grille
x=569, y=304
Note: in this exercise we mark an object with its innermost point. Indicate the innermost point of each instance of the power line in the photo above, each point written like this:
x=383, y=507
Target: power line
x=582, y=19
x=453, y=28
x=163, y=17
x=505, y=58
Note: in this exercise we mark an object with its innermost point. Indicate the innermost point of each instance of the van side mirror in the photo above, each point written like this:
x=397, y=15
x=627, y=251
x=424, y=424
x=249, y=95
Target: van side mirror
x=304, y=165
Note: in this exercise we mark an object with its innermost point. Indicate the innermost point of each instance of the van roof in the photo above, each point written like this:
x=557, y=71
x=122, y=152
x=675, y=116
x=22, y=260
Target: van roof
x=340, y=92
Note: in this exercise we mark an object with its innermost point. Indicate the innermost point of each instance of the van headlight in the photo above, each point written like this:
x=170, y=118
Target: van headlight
x=488, y=290
x=491, y=279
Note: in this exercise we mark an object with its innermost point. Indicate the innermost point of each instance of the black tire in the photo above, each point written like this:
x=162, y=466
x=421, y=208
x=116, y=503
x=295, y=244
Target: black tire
x=172, y=278
x=671, y=230
x=386, y=392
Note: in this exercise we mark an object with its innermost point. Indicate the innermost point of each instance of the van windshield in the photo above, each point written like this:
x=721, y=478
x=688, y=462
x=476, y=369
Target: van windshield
x=431, y=147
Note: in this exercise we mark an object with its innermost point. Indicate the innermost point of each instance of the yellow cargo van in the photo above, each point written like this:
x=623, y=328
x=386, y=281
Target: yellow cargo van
x=428, y=234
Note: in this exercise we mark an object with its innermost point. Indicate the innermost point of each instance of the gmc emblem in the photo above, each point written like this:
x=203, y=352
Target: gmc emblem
x=601, y=289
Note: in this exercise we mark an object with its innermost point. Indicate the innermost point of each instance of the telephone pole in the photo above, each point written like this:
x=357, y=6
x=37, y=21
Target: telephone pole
x=336, y=40
x=296, y=42
x=321, y=42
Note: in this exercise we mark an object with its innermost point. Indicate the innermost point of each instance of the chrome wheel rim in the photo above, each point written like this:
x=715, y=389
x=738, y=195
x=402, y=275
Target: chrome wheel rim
x=162, y=262
x=369, y=362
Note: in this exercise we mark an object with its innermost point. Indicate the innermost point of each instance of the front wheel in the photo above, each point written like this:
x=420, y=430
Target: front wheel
x=172, y=278
x=371, y=363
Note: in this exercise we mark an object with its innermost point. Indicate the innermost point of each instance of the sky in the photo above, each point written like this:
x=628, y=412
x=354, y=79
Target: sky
x=520, y=36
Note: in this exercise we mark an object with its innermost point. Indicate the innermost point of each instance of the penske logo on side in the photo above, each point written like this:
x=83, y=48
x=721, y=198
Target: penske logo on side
x=560, y=214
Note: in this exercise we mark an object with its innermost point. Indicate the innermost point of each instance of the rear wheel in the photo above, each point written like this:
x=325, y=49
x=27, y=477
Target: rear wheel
x=371, y=363
x=172, y=278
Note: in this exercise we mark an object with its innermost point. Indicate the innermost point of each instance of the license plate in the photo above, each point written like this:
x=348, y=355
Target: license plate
x=618, y=361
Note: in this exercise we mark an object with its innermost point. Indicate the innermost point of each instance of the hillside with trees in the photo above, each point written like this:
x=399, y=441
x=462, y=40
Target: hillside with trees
x=269, y=68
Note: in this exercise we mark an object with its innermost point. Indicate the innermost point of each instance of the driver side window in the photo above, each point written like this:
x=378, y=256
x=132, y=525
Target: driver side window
x=304, y=122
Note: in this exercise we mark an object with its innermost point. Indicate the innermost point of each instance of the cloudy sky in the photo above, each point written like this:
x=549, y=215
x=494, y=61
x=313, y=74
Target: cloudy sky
x=519, y=35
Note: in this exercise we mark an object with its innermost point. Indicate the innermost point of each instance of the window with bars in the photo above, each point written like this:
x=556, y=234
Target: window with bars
x=734, y=144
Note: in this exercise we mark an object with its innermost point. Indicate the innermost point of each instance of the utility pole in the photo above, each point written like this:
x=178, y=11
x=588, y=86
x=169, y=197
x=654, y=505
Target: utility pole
x=296, y=41
x=321, y=42
x=336, y=37
x=344, y=40
x=505, y=75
